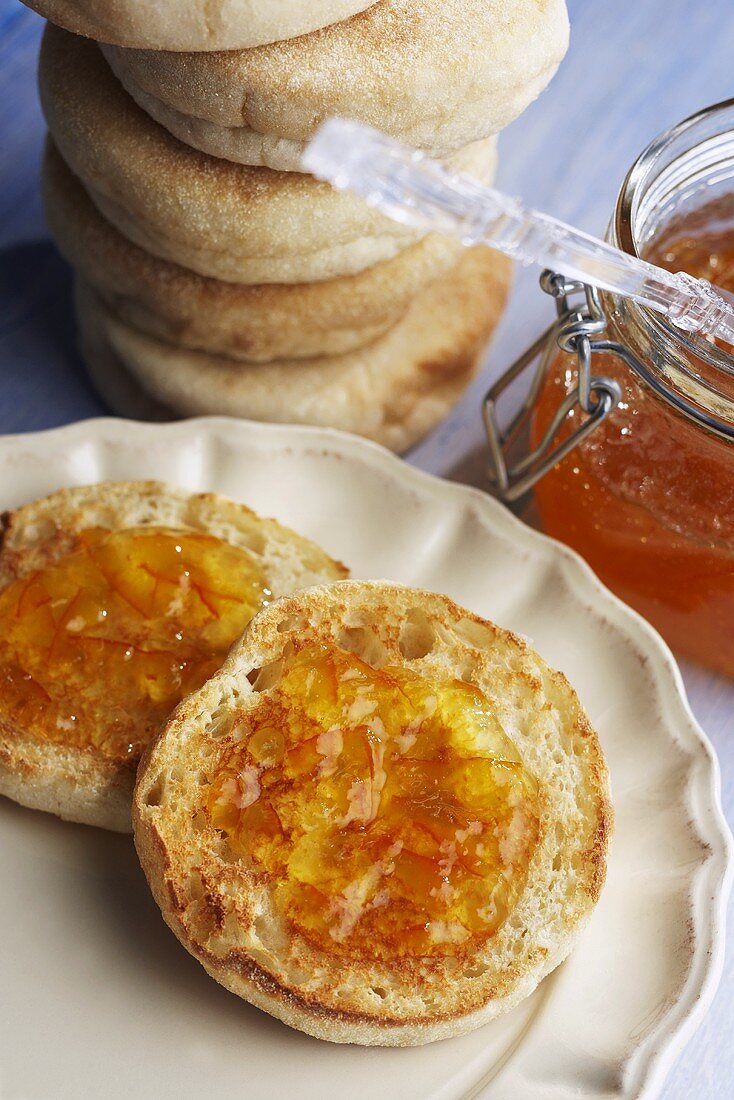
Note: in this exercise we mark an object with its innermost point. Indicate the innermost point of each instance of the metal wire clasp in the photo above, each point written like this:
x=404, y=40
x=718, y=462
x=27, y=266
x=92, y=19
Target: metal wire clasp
x=575, y=330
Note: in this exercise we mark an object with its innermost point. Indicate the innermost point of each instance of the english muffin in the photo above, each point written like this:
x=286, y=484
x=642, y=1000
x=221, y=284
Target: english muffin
x=438, y=74
x=383, y=821
x=222, y=220
x=117, y=599
x=252, y=323
x=393, y=390
x=115, y=386
x=196, y=25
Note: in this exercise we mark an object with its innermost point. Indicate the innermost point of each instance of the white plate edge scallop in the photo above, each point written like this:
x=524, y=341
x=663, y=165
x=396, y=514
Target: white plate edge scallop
x=648, y=1064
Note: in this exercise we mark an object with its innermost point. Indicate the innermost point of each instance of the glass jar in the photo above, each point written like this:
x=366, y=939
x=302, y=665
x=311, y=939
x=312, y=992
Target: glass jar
x=647, y=496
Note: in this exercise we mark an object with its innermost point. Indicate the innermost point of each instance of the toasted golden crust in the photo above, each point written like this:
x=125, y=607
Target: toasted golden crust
x=394, y=390
x=435, y=73
x=196, y=25
x=251, y=323
x=224, y=910
x=223, y=220
x=77, y=783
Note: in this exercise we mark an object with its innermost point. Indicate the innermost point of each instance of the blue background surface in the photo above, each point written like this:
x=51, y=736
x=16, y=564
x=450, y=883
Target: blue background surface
x=634, y=68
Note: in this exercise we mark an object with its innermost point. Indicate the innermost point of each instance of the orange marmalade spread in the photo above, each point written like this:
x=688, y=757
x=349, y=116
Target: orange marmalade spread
x=390, y=812
x=648, y=499
x=97, y=647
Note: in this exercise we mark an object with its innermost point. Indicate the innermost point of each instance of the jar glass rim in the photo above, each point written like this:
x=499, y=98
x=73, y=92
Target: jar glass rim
x=659, y=156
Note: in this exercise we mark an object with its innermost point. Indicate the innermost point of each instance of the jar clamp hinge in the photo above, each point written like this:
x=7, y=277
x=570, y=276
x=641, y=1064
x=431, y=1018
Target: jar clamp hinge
x=576, y=330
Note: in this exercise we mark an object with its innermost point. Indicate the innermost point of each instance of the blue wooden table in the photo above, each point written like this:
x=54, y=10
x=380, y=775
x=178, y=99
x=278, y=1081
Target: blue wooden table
x=633, y=69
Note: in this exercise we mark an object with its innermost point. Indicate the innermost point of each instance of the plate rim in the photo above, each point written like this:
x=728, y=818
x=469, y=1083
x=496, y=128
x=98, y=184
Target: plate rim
x=648, y=1064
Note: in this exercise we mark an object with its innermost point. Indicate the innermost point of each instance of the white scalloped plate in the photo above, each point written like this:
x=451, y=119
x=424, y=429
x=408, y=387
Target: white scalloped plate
x=101, y=1001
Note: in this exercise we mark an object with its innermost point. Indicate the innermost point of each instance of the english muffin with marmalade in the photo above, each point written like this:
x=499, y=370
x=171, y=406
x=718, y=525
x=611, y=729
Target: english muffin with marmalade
x=383, y=821
x=116, y=600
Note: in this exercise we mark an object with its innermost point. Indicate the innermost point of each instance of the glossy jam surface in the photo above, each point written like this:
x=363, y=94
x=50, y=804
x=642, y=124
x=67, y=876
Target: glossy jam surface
x=648, y=500
x=96, y=649
x=392, y=813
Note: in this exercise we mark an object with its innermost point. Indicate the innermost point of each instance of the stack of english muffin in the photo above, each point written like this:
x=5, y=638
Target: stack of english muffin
x=212, y=275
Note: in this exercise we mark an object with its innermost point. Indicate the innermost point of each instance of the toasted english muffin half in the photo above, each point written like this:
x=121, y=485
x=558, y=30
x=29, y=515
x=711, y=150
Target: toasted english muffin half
x=196, y=25
x=91, y=607
x=383, y=821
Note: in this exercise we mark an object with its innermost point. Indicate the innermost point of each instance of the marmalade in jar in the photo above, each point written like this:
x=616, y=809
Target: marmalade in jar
x=97, y=647
x=648, y=498
x=391, y=812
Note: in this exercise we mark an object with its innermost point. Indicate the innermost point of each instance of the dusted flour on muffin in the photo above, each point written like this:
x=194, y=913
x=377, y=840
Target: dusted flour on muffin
x=196, y=25
x=438, y=74
x=223, y=220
